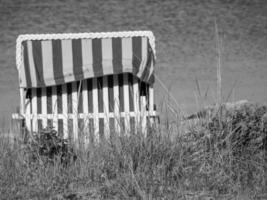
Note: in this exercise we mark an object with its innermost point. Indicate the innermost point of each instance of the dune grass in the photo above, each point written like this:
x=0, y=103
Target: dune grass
x=204, y=160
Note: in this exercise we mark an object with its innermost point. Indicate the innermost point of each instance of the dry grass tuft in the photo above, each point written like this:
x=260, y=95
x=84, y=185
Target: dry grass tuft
x=209, y=160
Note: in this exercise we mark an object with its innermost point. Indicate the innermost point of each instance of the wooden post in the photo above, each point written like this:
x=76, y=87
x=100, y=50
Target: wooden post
x=95, y=108
x=126, y=103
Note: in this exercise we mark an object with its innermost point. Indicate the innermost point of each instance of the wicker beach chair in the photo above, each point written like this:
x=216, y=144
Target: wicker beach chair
x=84, y=83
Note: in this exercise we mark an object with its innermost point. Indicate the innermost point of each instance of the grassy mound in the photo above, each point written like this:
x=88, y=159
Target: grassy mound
x=220, y=157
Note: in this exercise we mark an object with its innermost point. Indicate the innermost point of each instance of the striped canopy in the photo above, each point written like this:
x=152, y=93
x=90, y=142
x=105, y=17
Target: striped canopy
x=53, y=59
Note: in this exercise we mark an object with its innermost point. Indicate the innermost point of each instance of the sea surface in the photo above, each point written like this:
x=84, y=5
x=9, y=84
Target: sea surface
x=187, y=56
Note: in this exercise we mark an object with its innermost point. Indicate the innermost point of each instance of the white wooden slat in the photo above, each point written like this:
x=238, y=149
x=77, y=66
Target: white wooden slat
x=54, y=107
x=22, y=100
x=17, y=116
x=95, y=107
x=85, y=110
x=80, y=123
x=85, y=96
x=44, y=106
x=34, y=110
x=65, y=111
x=74, y=97
x=75, y=110
x=151, y=98
x=28, y=112
x=143, y=114
x=116, y=104
x=106, y=106
x=151, y=101
x=126, y=102
x=136, y=97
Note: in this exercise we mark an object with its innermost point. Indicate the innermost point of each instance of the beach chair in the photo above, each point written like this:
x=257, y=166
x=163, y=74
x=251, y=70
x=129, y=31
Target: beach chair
x=83, y=83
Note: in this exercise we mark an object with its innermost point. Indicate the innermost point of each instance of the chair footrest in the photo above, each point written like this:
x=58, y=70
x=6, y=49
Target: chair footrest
x=149, y=114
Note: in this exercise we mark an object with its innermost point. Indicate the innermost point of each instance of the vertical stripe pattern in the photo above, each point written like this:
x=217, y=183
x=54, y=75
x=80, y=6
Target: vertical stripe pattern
x=67, y=60
x=117, y=55
x=105, y=104
x=57, y=61
x=137, y=54
x=26, y=65
x=77, y=59
x=38, y=62
x=97, y=57
x=32, y=67
x=54, y=62
x=127, y=53
x=48, y=67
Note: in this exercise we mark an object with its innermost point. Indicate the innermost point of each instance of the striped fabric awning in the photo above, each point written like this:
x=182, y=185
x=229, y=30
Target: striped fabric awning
x=53, y=59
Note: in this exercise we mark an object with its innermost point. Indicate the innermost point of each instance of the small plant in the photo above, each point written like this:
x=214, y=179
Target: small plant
x=48, y=146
